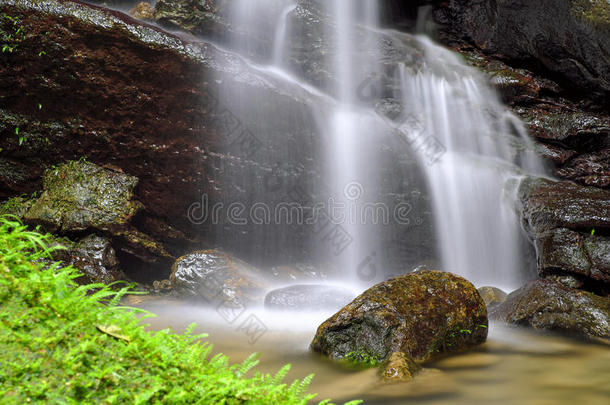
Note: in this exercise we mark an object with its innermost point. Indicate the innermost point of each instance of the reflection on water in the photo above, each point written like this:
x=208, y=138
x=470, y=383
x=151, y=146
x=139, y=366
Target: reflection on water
x=515, y=366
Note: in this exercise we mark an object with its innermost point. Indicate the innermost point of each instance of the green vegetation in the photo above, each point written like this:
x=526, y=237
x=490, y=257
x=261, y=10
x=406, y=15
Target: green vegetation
x=596, y=12
x=12, y=34
x=63, y=343
x=362, y=358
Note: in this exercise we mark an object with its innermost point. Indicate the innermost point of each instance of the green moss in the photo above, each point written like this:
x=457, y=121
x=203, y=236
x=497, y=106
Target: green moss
x=596, y=12
x=363, y=358
x=80, y=195
x=16, y=206
x=60, y=344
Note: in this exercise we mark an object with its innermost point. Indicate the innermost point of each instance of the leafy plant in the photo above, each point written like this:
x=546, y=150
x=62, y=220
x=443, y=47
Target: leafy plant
x=363, y=358
x=64, y=343
x=13, y=33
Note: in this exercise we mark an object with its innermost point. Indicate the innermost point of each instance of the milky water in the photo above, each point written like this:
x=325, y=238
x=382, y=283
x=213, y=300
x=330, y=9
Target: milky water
x=515, y=366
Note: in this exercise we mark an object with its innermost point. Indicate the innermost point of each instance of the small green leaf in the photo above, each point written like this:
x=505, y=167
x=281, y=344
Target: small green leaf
x=114, y=331
x=593, y=231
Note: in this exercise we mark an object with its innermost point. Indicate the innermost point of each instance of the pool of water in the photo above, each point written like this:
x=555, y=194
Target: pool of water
x=514, y=366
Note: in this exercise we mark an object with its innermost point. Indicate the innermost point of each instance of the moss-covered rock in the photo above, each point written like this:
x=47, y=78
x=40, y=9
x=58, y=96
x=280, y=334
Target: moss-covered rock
x=399, y=368
x=492, y=296
x=421, y=314
x=80, y=195
x=199, y=17
x=218, y=278
x=142, y=11
x=16, y=206
x=547, y=304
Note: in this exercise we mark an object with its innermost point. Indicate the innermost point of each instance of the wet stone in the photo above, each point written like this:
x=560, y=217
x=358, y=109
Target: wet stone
x=308, y=297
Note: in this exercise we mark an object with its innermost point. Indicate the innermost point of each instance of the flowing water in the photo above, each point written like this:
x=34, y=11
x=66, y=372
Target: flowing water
x=515, y=366
x=469, y=147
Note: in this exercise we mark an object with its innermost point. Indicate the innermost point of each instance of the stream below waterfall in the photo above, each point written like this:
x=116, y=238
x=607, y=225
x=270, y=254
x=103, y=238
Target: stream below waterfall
x=514, y=366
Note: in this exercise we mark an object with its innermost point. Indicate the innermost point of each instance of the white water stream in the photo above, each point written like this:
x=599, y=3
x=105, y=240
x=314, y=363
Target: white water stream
x=462, y=135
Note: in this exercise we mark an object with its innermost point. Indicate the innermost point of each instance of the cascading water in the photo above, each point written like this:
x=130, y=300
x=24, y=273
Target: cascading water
x=478, y=231
x=441, y=102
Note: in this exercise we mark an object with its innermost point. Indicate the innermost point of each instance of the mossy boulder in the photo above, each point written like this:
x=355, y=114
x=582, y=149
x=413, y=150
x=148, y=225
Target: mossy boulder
x=16, y=206
x=81, y=195
x=218, y=278
x=547, y=304
x=492, y=296
x=422, y=314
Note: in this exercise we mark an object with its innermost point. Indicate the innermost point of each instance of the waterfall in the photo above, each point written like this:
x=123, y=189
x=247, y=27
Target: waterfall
x=466, y=142
x=475, y=222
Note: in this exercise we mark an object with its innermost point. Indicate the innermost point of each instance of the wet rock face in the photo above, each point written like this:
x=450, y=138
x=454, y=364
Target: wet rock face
x=572, y=134
x=95, y=257
x=546, y=205
x=570, y=38
x=568, y=224
x=421, y=314
x=547, y=304
x=198, y=17
x=217, y=278
x=308, y=297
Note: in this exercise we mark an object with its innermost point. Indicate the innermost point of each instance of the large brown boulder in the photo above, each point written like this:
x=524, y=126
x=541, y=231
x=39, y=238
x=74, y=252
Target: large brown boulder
x=421, y=314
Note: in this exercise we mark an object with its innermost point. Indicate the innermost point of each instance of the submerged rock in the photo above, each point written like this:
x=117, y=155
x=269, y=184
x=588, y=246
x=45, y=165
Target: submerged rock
x=218, y=278
x=421, y=314
x=492, y=296
x=308, y=297
x=547, y=304
x=399, y=368
x=302, y=272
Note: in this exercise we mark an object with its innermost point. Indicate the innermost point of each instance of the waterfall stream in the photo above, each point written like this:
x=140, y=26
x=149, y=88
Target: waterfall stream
x=466, y=143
